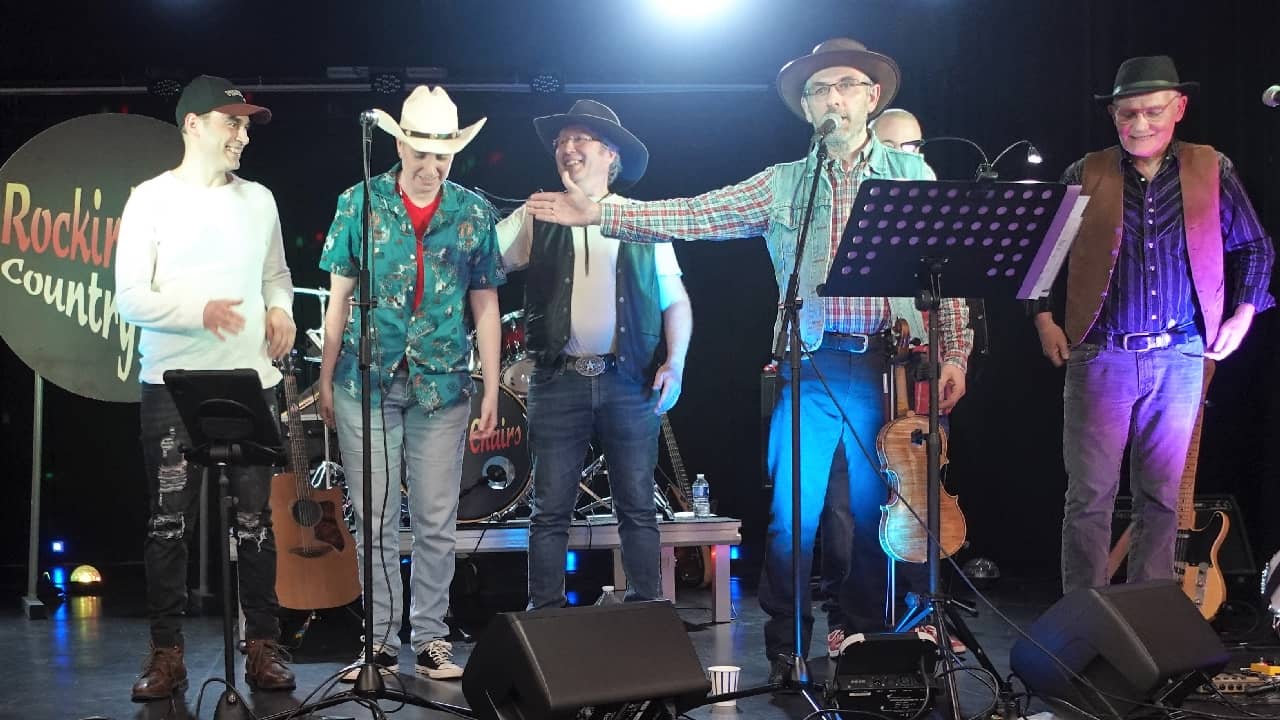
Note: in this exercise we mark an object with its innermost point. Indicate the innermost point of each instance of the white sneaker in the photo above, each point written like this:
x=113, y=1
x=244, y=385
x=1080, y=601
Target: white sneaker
x=385, y=657
x=436, y=662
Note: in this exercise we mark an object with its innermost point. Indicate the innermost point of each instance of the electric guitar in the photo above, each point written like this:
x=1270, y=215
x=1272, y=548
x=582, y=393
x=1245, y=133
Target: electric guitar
x=693, y=563
x=1195, y=558
x=315, y=553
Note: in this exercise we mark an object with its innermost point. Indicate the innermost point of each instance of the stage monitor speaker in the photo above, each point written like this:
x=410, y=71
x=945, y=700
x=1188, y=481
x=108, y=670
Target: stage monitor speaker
x=629, y=661
x=1135, y=644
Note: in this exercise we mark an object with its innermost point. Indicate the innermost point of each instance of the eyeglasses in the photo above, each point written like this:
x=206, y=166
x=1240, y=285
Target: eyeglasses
x=575, y=139
x=1129, y=116
x=844, y=87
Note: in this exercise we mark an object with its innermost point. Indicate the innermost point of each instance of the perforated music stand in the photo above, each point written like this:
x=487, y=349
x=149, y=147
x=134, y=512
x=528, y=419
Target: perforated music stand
x=929, y=240
x=229, y=423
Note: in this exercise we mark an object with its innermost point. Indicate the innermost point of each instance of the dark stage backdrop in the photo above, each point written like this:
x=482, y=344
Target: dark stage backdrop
x=992, y=70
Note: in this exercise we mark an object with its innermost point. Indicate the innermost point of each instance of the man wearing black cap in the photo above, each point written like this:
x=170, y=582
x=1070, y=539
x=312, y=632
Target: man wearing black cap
x=843, y=83
x=608, y=327
x=1147, y=300
x=200, y=268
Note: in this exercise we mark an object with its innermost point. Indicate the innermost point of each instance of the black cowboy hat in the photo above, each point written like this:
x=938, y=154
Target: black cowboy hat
x=1141, y=75
x=597, y=116
x=839, y=51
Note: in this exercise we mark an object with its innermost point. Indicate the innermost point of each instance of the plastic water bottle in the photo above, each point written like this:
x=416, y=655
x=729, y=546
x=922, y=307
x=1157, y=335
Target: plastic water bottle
x=608, y=596
x=701, y=497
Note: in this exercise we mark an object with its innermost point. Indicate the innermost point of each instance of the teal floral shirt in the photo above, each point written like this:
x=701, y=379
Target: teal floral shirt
x=460, y=253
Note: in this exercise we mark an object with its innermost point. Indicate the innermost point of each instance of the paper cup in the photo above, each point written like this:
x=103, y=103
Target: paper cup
x=724, y=679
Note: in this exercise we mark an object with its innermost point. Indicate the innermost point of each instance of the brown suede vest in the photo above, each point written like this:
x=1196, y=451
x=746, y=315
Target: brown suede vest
x=1093, y=255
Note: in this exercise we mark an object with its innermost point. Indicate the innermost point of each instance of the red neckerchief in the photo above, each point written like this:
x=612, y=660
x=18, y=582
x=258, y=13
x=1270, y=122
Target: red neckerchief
x=421, y=219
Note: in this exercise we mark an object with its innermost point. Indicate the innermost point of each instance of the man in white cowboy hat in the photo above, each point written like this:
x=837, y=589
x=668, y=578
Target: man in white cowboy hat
x=1146, y=301
x=608, y=327
x=435, y=256
x=844, y=82
x=200, y=268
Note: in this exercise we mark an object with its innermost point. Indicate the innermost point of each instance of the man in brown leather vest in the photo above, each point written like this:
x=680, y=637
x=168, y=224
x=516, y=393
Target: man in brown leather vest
x=1167, y=223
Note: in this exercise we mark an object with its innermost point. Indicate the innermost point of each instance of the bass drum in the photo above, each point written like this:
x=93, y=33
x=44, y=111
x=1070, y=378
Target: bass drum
x=496, y=473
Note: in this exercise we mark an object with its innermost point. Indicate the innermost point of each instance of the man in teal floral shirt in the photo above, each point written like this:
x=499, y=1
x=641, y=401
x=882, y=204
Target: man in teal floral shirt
x=435, y=255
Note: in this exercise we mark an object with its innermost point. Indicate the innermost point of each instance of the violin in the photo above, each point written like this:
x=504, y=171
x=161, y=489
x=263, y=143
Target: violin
x=902, y=447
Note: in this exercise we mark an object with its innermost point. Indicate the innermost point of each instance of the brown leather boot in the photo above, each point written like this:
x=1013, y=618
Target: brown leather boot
x=264, y=667
x=163, y=674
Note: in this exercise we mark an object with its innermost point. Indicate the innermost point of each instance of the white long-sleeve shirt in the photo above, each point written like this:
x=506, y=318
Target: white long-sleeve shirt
x=182, y=245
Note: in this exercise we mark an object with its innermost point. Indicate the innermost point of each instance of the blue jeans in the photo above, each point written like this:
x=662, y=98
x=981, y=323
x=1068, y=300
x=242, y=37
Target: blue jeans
x=1113, y=398
x=427, y=449
x=565, y=411
x=855, y=381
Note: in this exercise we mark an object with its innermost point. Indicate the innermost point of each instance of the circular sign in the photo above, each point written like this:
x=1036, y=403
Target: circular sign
x=61, y=195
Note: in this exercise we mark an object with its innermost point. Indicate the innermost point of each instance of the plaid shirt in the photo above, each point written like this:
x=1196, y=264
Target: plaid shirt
x=743, y=210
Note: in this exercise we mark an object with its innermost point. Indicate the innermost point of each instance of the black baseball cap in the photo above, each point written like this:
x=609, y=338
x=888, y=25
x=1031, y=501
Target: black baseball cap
x=207, y=93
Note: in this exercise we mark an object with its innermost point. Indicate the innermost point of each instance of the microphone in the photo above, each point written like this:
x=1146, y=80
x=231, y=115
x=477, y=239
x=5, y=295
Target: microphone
x=829, y=124
x=1271, y=96
x=368, y=118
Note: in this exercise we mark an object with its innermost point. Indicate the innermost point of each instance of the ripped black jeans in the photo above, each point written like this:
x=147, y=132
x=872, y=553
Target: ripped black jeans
x=174, y=488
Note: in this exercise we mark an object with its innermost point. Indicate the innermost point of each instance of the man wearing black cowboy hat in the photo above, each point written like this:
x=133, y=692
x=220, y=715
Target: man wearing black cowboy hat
x=608, y=327
x=843, y=82
x=1146, y=301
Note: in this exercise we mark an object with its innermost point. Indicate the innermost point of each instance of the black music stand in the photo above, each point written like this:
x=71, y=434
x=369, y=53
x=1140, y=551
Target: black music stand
x=229, y=423
x=989, y=240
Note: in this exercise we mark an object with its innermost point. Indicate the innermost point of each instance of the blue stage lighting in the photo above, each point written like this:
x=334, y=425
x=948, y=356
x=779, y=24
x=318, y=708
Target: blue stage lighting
x=571, y=562
x=57, y=547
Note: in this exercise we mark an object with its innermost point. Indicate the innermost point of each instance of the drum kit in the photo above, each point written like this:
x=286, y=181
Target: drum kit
x=497, y=477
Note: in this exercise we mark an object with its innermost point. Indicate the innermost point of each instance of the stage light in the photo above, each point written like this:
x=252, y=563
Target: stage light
x=571, y=597
x=57, y=547
x=547, y=83
x=1033, y=155
x=691, y=9
x=386, y=83
x=571, y=562
x=164, y=87
x=58, y=577
x=734, y=552
x=85, y=580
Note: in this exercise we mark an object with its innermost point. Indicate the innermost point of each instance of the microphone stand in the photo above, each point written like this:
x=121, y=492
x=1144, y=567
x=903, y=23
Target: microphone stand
x=788, y=341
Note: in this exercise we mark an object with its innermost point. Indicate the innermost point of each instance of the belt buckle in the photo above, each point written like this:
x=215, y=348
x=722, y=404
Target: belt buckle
x=589, y=365
x=1151, y=341
x=863, y=342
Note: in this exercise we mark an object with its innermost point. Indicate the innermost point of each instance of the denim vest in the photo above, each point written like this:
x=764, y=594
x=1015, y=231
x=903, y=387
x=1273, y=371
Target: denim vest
x=789, y=188
x=548, y=294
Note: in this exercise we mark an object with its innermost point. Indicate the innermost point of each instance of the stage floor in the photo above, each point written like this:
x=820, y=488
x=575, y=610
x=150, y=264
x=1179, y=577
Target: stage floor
x=81, y=662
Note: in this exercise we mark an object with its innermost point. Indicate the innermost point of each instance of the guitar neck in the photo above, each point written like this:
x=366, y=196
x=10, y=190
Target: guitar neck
x=297, y=441
x=1187, y=491
x=677, y=465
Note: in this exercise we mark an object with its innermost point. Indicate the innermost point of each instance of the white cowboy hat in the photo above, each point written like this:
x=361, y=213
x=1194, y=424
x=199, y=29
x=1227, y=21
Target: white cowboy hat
x=429, y=122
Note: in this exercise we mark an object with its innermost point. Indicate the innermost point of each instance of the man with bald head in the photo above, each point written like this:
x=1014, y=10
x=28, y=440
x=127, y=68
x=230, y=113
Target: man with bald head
x=898, y=129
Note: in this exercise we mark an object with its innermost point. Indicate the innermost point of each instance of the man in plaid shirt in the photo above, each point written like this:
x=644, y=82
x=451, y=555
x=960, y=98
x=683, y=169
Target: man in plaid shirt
x=839, y=80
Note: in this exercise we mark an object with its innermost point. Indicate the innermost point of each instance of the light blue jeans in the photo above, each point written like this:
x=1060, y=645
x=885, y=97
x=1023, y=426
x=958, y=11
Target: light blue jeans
x=429, y=449
x=1113, y=398
x=565, y=411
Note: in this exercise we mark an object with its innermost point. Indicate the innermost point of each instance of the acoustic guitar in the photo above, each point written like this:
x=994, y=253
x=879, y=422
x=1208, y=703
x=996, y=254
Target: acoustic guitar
x=315, y=553
x=1195, y=555
x=693, y=563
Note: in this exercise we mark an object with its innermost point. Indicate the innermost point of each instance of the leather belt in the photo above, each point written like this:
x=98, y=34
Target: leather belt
x=1139, y=342
x=855, y=343
x=589, y=365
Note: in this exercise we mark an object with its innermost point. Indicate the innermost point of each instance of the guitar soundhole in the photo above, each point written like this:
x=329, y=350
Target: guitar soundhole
x=306, y=512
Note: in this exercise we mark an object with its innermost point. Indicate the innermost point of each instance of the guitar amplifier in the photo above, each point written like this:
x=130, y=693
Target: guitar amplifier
x=886, y=674
x=1235, y=558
